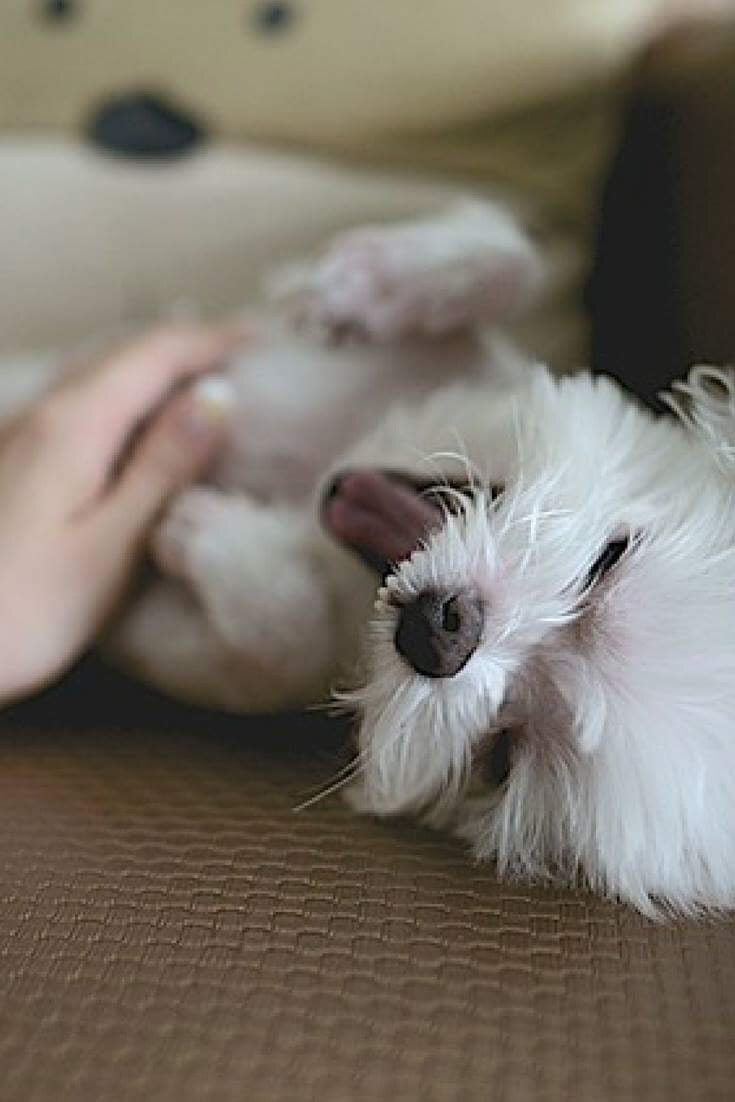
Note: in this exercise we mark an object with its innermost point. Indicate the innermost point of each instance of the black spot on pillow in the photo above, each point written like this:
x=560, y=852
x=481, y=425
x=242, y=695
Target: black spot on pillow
x=273, y=17
x=58, y=11
x=143, y=124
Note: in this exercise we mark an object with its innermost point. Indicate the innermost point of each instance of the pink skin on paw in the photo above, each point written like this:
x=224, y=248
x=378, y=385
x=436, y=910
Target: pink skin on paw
x=376, y=514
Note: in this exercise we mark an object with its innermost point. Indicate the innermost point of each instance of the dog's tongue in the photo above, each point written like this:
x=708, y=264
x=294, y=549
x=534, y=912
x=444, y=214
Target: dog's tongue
x=379, y=516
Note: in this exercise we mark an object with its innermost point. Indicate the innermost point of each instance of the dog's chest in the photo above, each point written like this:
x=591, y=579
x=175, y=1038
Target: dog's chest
x=300, y=403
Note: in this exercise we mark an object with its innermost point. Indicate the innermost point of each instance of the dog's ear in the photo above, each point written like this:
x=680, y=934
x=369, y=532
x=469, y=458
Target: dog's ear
x=705, y=404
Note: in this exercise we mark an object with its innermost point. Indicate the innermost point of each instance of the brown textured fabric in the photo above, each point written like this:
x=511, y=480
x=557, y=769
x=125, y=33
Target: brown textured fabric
x=171, y=930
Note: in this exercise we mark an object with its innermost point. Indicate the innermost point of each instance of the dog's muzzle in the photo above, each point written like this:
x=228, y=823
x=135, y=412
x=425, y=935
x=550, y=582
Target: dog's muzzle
x=384, y=516
x=438, y=633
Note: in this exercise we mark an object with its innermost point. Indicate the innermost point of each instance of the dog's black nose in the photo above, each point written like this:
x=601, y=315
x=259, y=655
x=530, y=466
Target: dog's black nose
x=438, y=632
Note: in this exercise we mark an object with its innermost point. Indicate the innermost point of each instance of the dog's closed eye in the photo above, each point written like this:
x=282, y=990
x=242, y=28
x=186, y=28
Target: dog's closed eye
x=608, y=558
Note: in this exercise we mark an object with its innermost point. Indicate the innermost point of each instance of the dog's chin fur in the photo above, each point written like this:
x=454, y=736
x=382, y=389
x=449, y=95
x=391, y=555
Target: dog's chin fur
x=617, y=691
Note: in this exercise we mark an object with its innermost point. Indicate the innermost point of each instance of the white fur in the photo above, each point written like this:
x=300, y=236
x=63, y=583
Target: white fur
x=258, y=609
x=620, y=698
x=619, y=695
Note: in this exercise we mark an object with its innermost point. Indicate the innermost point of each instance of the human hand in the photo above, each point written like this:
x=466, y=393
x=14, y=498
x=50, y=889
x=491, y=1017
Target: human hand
x=83, y=473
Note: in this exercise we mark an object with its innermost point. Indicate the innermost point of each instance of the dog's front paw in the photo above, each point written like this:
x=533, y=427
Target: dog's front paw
x=392, y=282
x=429, y=277
x=186, y=531
x=373, y=281
x=364, y=284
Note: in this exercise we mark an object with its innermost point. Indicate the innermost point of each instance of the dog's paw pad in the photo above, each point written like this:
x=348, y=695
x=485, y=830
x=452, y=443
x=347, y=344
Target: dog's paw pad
x=430, y=277
x=185, y=530
x=371, y=281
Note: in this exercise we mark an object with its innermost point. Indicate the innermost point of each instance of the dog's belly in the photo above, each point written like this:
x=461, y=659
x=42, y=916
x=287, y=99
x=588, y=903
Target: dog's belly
x=301, y=402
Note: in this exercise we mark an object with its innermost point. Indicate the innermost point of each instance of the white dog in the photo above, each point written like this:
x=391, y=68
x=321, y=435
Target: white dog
x=259, y=608
x=550, y=666
x=551, y=672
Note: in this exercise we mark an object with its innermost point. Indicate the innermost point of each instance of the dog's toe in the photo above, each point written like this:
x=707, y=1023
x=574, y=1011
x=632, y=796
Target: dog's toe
x=175, y=542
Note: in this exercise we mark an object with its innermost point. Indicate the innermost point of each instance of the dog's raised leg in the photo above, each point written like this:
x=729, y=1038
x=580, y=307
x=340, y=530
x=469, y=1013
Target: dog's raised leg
x=247, y=605
x=472, y=265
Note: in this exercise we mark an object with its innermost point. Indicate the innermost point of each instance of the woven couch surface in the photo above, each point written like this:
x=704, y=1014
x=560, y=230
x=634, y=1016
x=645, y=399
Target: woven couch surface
x=170, y=929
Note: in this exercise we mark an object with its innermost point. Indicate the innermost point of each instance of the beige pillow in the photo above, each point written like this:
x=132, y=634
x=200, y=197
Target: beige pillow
x=343, y=72
x=516, y=98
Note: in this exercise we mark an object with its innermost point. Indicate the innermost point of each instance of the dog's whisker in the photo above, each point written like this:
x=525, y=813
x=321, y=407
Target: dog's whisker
x=323, y=706
x=432, y=460
x=472, y=475
x=345, y=771
x=450, y=494
x=427, y=459
x=324, y=793
x=344, y=776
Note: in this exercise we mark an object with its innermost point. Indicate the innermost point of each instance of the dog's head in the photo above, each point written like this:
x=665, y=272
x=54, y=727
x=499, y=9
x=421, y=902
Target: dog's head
x=551, y=666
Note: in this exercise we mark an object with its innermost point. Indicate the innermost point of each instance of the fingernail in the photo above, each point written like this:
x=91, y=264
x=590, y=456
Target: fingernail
x=210, y=404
